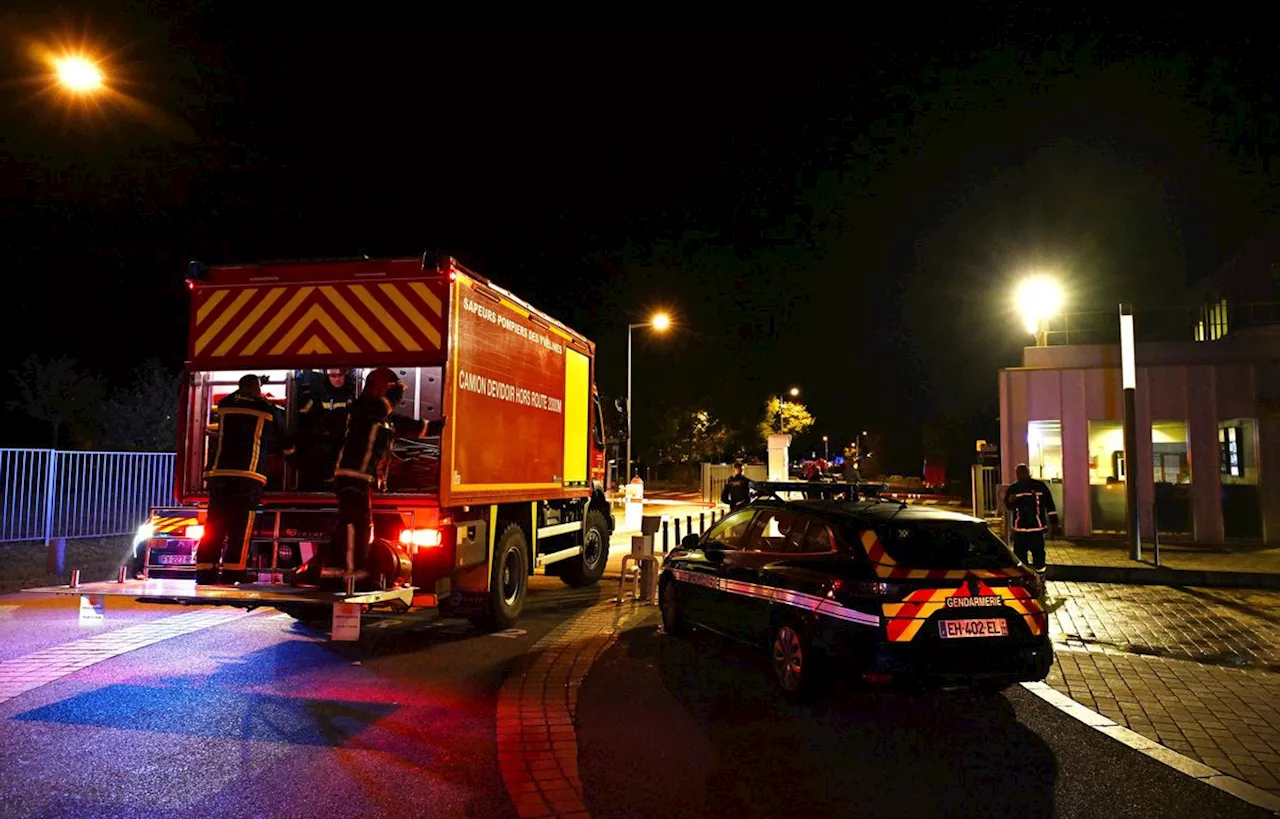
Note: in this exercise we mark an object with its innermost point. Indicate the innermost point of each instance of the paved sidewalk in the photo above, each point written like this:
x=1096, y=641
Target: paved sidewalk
x=1179, y=557
x=1191, y=668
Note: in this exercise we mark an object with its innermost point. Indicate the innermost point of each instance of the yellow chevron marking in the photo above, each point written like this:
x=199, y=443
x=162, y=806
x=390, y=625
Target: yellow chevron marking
x=415, y=318
x=317, y=314
x=383, y=316
x=370, y=335
x=221, y=321
x=209, y=304
x=315, y=345
x=248, y=321
x=427, y=296
x=274, y=324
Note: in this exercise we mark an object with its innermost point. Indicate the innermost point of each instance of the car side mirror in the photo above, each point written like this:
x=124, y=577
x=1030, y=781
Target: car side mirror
x=690, y=542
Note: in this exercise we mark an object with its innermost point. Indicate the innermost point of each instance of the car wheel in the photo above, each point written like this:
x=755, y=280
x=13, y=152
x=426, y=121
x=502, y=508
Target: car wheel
x=673, y=621
x=586, y=569
x=792, y=661
x=509, y=581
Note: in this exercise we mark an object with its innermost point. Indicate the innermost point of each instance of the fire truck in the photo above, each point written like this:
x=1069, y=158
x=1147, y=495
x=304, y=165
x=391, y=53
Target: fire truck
x=510, y=477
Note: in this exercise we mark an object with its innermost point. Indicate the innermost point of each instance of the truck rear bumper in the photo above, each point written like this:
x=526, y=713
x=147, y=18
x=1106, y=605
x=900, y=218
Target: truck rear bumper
x=244, y=596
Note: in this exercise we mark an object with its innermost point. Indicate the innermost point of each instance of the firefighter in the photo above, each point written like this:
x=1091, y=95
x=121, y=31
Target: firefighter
x=736, y=490
x=248, y=428
x=1033, y=513
x=362, y=467
x=323, y=421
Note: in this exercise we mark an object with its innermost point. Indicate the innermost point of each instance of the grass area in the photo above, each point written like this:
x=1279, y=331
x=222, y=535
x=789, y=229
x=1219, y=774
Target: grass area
x=25, y=565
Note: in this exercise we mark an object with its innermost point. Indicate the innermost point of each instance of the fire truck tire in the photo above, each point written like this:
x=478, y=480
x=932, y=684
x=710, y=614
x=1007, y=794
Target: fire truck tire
x=586, y=568
x=509, y=582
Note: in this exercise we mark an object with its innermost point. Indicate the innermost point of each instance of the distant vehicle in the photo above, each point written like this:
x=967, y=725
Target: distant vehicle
x=874, y=587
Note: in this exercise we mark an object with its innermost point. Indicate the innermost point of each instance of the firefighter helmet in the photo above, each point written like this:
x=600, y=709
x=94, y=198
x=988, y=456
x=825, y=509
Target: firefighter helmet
x=384, y=383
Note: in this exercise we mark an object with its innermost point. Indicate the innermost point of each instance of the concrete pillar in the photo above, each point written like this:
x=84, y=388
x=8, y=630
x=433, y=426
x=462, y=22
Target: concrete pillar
x=1077, y=518
x=779, y=457
x=1202, y=430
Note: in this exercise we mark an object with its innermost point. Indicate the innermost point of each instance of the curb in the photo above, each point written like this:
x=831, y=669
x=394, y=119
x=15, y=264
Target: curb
x=1153, y=576
x=1179, y=762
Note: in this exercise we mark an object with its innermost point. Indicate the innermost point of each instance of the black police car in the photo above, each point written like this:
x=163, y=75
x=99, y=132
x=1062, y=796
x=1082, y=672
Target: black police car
x=847, y=579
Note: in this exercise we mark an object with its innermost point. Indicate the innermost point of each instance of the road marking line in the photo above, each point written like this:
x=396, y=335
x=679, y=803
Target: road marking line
x=1167, y=756
x=17, y=676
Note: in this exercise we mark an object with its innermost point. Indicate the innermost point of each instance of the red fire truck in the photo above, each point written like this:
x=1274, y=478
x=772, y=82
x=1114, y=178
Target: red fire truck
x=510, y=478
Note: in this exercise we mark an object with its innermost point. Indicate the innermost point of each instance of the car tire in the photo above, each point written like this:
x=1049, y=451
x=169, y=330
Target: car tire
x=673, y=621
x=587, y=568
x=793, y=665
x=508, y=582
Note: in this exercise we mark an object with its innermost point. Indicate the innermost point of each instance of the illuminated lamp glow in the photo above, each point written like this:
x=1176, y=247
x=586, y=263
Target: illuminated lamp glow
x=195, y=531
x=424, y=538
x=1038, y=298
x=78, y=74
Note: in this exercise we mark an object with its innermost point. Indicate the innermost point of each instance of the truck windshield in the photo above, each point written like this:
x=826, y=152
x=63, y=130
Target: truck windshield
x=312, y=406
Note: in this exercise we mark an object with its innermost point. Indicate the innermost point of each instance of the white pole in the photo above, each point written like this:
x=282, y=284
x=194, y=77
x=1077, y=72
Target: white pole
x=626, y=478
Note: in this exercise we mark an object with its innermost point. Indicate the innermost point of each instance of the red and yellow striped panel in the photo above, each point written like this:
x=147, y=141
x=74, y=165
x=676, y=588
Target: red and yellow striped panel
x=398, y=319
x=903, y=620
x=886, y=567
x=167, y=525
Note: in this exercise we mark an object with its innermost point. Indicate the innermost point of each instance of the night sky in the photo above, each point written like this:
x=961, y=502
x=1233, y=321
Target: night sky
x=843, y=212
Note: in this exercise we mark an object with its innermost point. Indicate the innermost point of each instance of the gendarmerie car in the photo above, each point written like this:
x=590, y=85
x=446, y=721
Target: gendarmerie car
x=894, y=592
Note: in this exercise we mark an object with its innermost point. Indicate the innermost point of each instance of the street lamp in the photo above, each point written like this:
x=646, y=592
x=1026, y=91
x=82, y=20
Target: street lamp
x=782, y=403
x=1038, y=299
x=660, y=322
x=78, y=74
x=826, y=453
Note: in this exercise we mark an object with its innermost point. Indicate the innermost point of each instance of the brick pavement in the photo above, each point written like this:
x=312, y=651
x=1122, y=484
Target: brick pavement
x=1189, y=557
x=537, y=705
x=1192, y=669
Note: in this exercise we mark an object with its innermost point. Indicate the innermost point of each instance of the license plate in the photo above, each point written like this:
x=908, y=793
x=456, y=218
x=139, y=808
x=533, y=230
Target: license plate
x=985, y=627
x=170, y=560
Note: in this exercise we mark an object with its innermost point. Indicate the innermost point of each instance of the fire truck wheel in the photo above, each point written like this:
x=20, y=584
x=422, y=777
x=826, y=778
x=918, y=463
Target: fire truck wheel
x=509, y=582
x=586, y=568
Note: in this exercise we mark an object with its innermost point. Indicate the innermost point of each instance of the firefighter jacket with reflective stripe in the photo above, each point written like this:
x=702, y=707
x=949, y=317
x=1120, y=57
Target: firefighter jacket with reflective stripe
x=1031, y=504
x=324, y=414
x=248, y=430
x=371, y=426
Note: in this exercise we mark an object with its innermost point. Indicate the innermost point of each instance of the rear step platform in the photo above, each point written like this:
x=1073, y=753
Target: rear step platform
x=250, y=595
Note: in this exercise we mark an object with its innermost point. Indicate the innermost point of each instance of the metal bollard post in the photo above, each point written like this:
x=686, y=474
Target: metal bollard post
x=702, y=522
x=120, y=575
x=665, y=534
x=75, y=578
x=677, y=521
x=688, y=523
x=1155, y=530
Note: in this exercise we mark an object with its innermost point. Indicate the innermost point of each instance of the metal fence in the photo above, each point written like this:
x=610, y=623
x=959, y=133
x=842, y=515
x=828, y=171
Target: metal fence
x=49, y=494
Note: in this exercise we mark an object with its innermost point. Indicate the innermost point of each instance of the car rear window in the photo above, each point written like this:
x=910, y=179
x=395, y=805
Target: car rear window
x=944, y=545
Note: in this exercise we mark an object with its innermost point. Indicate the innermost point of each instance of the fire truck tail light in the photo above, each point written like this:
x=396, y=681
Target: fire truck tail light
x=423, y=538
x=195, y=531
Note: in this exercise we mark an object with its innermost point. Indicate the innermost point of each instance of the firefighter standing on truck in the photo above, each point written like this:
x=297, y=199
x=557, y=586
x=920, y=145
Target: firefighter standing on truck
x=1033, y=513
x=323, y=421
x=362, y=467
x=248, y=429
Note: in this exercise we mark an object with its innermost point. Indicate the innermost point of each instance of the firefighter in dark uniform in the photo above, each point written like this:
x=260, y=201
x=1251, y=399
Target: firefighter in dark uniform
x=248, y=429
x=736, y=490
x=323, y=424
x=362, y=467
x=1033, y=513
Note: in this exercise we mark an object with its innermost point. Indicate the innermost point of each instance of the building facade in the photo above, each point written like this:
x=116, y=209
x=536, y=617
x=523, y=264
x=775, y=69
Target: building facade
x=1208, y=449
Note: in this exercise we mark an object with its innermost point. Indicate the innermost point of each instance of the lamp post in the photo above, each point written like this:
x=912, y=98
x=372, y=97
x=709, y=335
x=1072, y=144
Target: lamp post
x=659, y=322
x=1038, y=299
x=1129, y=381
x=826, y=453
x=782, y=403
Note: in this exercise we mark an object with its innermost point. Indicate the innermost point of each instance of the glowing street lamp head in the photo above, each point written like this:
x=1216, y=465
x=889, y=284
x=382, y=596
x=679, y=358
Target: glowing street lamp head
x=1038, y=298
x=660, y=322
x=77, y=74
x=795, y=391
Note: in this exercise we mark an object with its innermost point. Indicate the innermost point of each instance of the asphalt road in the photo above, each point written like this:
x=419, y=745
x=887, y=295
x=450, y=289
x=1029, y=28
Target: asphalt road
x=263, y=718
x=690, y=727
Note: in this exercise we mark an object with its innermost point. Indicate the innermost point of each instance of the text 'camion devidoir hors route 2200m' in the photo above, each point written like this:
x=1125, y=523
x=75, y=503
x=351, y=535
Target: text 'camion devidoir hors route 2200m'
x=454, y=428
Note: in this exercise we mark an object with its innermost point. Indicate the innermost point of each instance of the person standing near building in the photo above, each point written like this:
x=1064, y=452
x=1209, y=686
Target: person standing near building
x=248, y=428
x=362, y=467
x=736, y=492
x=1033, y=514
